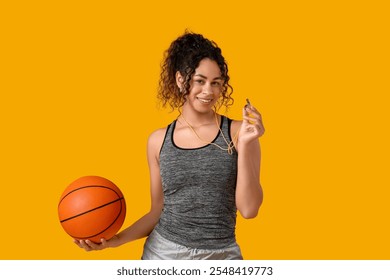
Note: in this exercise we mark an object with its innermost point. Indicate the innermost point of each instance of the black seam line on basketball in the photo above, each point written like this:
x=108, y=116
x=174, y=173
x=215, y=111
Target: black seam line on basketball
x=117, y=217
x=90, y=186
x=101, y=206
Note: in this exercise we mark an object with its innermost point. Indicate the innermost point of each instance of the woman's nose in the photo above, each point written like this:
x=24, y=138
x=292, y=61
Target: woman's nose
x=207, y=88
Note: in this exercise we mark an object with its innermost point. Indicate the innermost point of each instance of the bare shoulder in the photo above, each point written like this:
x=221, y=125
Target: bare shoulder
x=235, y=127
x=156, y=139
x=158, y=134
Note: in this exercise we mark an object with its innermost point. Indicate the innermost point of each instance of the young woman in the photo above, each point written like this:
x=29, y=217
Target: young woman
x=203, y=166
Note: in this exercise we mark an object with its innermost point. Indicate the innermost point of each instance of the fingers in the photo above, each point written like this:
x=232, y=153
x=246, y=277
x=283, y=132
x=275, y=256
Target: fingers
x=85, y=244
x=245, y=115
x=103, y=242
x=251, y=110
x=251, y=115
x=88, y=245
x=252, y=120
x=256, y=127
x=77, y=242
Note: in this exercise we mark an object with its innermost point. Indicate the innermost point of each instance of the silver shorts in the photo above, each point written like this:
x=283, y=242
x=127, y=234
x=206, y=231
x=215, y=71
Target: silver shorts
x=158, y=248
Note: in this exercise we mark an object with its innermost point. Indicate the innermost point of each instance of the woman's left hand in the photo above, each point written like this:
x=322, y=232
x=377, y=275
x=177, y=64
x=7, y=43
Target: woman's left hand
x=252, y=125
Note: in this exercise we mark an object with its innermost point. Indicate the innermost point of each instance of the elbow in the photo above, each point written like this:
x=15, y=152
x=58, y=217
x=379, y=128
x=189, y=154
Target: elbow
x=251, y=211
x=249, y=214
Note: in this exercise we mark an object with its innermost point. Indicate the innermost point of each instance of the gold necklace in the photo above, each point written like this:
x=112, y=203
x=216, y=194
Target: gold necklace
x=230, y=145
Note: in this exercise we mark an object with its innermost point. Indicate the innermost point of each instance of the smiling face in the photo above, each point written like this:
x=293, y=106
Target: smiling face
x=205, y=86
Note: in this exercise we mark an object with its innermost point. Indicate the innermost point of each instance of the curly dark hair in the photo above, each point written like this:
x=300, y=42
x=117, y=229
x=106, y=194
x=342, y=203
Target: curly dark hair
x=184, y=55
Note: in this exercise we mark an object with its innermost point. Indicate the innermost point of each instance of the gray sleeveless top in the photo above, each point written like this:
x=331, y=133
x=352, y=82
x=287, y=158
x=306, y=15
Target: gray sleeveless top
x=199, y=192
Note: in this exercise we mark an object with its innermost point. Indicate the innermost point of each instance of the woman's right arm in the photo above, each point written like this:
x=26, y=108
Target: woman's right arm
x=144, y=226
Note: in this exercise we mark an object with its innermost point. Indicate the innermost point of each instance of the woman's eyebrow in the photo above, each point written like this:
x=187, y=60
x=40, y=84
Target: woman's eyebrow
x=204, y=77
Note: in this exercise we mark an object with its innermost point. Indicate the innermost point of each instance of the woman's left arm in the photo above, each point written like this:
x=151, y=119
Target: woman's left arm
x=249, y=194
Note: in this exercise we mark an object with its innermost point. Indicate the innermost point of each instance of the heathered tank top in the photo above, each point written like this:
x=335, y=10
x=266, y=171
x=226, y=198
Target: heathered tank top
x=199, y=192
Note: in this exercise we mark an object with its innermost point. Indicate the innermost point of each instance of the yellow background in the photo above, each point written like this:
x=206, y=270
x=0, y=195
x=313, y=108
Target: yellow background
x=78, y=83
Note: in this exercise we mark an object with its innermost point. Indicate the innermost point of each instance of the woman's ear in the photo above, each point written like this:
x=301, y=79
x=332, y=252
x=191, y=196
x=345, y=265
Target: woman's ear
x=179, y=80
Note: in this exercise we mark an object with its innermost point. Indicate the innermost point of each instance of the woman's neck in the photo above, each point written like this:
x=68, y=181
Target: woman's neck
x=197, y=119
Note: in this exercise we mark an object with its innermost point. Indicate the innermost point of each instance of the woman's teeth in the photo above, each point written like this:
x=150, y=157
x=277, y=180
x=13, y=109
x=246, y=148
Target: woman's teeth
x=204, y=100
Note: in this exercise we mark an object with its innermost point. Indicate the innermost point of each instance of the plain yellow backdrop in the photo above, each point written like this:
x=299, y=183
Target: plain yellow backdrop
x=78, y=97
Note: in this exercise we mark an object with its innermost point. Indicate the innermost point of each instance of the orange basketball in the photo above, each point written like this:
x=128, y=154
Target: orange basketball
x=92, y=207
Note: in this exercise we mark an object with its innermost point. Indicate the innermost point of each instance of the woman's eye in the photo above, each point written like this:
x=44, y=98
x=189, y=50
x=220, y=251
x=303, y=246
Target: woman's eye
x=199, y=82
